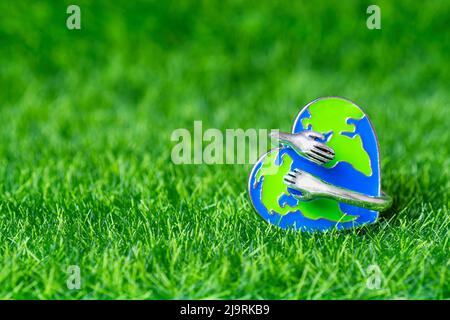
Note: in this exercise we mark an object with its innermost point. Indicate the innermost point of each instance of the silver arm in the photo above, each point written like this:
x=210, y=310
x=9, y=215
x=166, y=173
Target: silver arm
x=313, y=187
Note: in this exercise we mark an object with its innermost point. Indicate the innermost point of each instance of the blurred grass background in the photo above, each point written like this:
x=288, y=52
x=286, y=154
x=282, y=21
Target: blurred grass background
x=85, y=171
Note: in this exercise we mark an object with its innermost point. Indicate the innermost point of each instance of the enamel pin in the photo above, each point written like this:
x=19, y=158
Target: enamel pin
x=325, y=174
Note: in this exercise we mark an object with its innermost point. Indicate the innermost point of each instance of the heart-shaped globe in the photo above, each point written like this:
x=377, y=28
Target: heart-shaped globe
x=356, y=167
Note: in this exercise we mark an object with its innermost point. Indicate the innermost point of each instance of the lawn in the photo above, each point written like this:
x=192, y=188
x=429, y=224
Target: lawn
x=86, y=177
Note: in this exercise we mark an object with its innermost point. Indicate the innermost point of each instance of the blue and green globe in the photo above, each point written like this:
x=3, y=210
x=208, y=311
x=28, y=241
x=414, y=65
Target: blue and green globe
x=356, y=166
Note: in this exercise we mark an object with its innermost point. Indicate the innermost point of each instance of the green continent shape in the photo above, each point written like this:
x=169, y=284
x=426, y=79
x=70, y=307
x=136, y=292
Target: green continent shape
x=274, y=187
x=331, y=115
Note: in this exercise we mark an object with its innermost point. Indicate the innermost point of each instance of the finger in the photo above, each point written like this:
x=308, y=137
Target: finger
x=315, y=135
x=324, y=147
x=292, y=175
x=319, y=156
x=315, y=158
x=323, y=154
x=289, y=181
x=298, y=173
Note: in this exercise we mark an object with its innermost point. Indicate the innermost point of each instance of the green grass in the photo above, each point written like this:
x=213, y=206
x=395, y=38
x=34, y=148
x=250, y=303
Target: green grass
x=85, y=171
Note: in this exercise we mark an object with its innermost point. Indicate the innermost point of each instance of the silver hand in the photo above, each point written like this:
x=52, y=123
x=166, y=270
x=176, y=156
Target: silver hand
x=313, y=187
x=305, y=144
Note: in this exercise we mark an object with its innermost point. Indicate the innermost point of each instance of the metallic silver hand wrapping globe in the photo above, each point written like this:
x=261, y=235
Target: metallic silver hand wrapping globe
x=312, y=187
